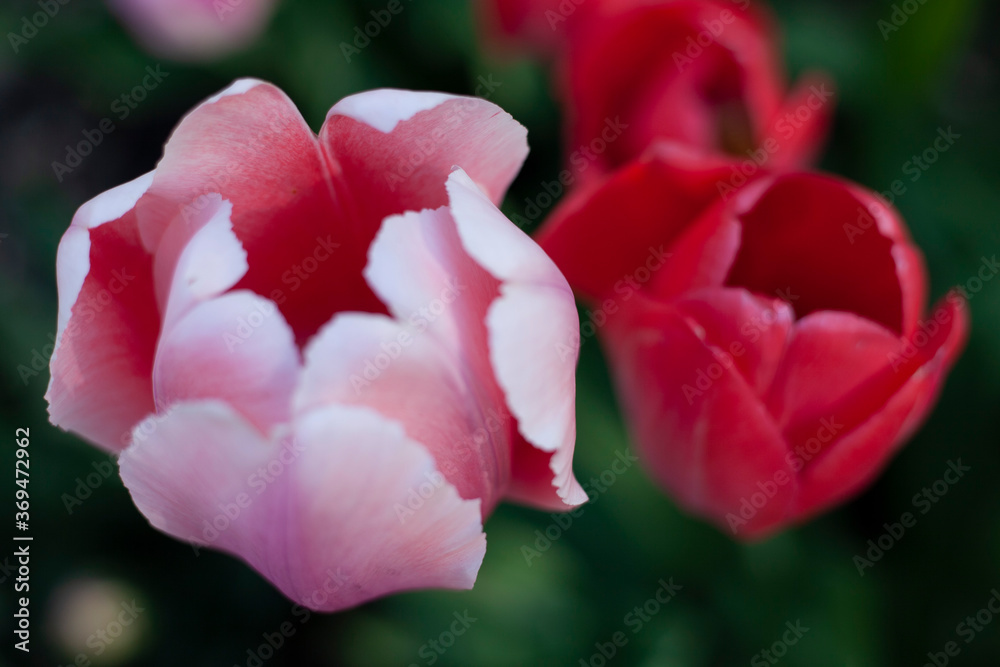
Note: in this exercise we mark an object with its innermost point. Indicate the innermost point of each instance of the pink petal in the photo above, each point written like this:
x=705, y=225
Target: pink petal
x=419, y=257
x=236, y=348
x=194, y=29
x=800, y=127
x=409, y=376
x=250, y=145
x=538, y=381
x=108, y=321
x=335, y=519
x=393, y=150
x=209, y=263
x=702, y=255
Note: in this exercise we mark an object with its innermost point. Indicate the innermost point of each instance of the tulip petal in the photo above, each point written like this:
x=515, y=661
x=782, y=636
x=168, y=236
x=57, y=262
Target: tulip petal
x=538, y=380
x=696, y=422
x=393, y=150
x=211, y=262
x=797, y=132
x=108, y=321
x=250, y=145
x=330, y=524
x=631, y=53
x=659, y=195
x=702, y=254
x=409, y=377
x=779, y=252
x=473, y=250
x=835, y=368
x=737, y=325
x=236, y=348
x=352, y=453
x=860, y=455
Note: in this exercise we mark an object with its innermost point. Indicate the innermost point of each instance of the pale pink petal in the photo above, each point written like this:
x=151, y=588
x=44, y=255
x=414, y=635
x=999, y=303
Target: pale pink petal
x=331, y=520
x=211, y=262
x=529, y=325
x=236, y=348
x=192, y=30
x=409, y=376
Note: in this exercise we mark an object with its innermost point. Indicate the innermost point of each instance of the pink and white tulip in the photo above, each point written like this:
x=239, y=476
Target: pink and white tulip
x=330, y=356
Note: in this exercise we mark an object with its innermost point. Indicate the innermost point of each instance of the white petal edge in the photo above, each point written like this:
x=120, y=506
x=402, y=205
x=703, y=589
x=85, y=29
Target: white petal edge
x=385, y=108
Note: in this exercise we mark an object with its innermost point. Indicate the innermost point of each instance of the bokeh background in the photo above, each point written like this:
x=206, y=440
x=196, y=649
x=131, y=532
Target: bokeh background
x=939, y=71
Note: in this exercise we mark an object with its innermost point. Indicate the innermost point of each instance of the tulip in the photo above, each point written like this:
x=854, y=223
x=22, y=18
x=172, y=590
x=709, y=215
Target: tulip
x=769, y=348
x=702, y=73
x=329, y=356
x=541, y=26
x=194, y=30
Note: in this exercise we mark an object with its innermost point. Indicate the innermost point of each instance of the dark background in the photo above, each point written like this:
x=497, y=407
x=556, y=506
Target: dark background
x=940, y=70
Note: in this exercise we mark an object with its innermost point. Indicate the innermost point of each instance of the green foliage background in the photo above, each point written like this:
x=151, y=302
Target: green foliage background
x=939, y=70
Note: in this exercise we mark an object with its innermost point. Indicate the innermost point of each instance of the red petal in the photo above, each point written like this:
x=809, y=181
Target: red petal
x=799, y=240
x=658, y=196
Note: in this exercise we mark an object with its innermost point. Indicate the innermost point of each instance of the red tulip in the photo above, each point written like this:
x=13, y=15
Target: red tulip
x=770, y=348
x=328, y=355
x=538, y=25
x=704, y=73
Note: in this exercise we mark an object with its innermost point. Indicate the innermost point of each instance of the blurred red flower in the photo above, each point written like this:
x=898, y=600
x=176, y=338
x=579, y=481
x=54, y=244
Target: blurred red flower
x=769, y=345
